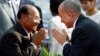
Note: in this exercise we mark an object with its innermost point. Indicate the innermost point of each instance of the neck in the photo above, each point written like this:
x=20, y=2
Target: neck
x=75, y=19
x=23, y=25
x=91, y=12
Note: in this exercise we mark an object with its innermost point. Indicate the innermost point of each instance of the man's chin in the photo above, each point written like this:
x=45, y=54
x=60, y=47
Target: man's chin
x=32, y=30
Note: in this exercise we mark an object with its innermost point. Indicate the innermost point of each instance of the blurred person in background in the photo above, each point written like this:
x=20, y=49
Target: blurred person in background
x=8, y=15
x=89, y=6
x=98, y=4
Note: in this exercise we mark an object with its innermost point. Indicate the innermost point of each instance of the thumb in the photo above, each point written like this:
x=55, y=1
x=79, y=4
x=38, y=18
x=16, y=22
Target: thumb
x=64, y=32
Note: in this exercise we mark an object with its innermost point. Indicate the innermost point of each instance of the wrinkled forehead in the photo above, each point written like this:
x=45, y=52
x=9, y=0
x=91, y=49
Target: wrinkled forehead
x=33, y=11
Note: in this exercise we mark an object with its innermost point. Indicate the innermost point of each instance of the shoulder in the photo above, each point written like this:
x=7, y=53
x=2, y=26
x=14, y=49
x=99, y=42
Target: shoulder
x=12, y=34
x=85, y=22
x=88, y=26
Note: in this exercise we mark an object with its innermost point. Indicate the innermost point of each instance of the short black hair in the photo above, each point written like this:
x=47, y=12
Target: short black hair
x=54, y=4
x=23, y=10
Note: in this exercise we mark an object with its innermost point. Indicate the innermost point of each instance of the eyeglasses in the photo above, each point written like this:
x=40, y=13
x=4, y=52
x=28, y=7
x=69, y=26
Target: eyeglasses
x=34, y=17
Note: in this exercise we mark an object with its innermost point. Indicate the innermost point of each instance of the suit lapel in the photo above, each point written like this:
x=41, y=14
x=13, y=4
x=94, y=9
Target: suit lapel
x=8, y=11
x=15, y=7
x=6, y=7
x=81, y=17
x=24, y=36
x=20, y=29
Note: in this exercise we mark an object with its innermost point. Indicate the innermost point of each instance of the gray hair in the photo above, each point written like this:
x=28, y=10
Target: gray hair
x=71, y=5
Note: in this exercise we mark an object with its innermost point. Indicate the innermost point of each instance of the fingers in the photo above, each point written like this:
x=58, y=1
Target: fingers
x=58, y=36
x=65, y=34
x=42, y=33
x=53, y=32
x=39, y=36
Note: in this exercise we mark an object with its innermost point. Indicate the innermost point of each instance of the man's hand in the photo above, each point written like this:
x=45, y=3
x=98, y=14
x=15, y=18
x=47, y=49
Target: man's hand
x=61, y=37
x=39, y=36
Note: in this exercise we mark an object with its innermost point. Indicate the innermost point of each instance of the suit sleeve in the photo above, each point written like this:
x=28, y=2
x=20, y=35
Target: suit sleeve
x=79, y=44
x=12, y=46
x=5, y=21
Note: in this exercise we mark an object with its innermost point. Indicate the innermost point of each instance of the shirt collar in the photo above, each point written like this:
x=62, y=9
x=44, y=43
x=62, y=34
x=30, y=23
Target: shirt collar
x=28, y=33
x=75, y=23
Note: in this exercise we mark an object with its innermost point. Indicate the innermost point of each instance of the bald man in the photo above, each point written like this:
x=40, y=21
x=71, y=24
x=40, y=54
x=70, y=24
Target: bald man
x=85, y=36
x=18, y=41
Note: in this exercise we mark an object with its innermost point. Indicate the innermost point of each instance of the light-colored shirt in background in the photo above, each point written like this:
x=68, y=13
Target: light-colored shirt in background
x=95, y=17
x=55, y=23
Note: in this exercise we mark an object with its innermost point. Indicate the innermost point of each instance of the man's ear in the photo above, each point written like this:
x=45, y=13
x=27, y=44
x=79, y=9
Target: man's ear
x=23, y=17
x=70, y=14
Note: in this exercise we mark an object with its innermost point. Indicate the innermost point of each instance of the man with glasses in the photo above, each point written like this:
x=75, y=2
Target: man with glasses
x=19, y=41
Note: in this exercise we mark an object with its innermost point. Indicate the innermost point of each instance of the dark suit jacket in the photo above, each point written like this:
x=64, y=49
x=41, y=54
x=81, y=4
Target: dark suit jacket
x=85, y=39
x=16, y=43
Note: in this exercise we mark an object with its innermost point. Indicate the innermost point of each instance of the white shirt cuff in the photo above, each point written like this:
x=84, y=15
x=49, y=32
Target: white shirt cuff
x=34, y=45
x=65, y=43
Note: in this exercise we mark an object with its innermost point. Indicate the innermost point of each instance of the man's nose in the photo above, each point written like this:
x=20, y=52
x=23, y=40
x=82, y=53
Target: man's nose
x=37, y=22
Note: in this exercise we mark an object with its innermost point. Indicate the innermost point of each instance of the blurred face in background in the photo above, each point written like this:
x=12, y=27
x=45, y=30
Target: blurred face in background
x=88, y=5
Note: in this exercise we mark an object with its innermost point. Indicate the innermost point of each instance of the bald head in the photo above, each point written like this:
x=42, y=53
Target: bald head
x=69, y=11
x=33, y=10
x=27, y=9
x=70, y=5
x=28, y=17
